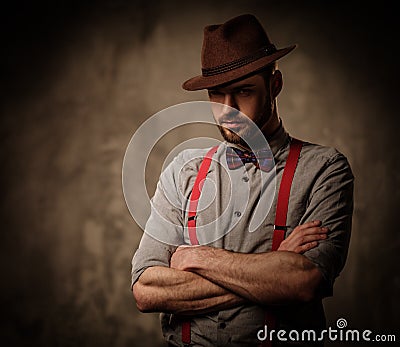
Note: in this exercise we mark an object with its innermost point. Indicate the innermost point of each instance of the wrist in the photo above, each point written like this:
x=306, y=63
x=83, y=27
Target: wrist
x=208, y=259
x=201, y=258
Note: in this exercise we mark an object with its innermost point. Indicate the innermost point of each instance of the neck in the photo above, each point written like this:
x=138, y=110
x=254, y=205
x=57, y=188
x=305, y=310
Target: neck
x=268, y=129
x=272, y=124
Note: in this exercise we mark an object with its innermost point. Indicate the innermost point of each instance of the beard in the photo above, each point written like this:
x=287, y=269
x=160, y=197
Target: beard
x=248, y=131
x=230, y=136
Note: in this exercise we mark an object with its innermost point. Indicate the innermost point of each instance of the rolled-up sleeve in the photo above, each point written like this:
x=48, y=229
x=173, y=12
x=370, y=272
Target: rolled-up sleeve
x=150, y=252
x=331, y=201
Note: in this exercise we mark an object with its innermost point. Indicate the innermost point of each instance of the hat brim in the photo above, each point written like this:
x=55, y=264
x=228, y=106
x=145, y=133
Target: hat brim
x=202, y=82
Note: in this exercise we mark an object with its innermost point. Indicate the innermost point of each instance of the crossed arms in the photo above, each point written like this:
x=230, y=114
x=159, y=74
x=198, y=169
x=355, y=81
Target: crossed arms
x=203, y=279
x=200, y=279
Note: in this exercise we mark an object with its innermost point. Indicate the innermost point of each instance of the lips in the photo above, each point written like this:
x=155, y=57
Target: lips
x=232, y=124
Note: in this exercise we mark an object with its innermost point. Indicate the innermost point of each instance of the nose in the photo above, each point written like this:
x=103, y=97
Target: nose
x=229, y=103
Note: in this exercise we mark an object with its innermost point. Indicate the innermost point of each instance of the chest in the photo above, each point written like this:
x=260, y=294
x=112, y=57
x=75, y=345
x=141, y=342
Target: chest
x=237, y=209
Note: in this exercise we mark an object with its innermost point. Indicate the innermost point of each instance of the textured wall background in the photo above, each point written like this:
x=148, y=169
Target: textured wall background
x=78, y=78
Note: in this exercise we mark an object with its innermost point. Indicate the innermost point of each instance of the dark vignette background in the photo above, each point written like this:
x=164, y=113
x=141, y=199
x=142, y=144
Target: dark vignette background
x=79, y=77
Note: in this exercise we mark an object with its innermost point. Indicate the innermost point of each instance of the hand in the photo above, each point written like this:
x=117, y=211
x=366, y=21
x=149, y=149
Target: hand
x=185, y=257
x=304, y=237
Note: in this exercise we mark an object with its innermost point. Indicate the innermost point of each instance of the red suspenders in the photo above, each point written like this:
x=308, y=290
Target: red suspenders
x=194, y=201
x=195, y=196
x=284, y=193
x=280, y=216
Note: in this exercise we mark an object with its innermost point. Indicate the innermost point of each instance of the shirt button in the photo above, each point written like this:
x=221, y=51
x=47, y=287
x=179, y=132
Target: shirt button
x=222, y=325
x=245, y=179
x=238, y=213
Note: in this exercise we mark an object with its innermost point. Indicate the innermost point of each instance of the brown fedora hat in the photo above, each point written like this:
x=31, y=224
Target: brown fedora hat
x=232, y=50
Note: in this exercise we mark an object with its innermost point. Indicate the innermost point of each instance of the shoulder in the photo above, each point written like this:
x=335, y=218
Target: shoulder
x=191, y=156
x=324, y=161
x=186, y=163
x=179, y=175
x=320, y=152
x=188, y=159
x=322, y=155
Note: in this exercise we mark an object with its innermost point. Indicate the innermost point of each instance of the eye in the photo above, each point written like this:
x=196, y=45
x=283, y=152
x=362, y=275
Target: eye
x=244, y=92
x=214, y=93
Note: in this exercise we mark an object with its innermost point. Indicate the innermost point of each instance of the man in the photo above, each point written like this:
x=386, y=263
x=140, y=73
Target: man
x=225, y=292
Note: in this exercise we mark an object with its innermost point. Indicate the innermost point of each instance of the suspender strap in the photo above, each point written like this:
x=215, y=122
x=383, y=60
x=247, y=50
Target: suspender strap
x=281, y=215
x=186, y=335
x=284, y=193
x=195, y=196
x=192, y=216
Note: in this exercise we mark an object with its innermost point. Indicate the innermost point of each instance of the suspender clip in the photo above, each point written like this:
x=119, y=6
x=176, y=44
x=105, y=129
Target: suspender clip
x=281, y=227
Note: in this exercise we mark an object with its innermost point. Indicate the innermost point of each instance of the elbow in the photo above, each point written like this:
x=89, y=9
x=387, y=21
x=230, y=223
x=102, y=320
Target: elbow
x=309, y=288
x=141, y=297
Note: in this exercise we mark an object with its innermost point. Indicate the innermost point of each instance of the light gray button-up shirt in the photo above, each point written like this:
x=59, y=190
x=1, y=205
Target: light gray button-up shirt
x=230, y=207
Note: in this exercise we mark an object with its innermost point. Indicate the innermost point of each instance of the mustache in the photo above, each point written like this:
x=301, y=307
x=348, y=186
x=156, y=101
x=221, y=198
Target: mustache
x=232, y=116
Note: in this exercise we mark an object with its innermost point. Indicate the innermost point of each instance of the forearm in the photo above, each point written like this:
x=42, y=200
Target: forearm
x=162, y=289
x=265, y=278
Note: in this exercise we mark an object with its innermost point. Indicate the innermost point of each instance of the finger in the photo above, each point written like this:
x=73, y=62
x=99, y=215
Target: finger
x=311, y=238
x=306, y=247
x=294, y=241
x=297, y=235
x=316, y=230
x=309, y=225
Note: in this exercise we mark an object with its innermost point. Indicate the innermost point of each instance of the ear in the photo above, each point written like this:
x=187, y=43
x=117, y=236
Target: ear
x=276, y=84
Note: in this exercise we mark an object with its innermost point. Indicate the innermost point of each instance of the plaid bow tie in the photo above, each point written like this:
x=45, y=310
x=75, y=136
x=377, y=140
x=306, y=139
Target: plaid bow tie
x=236, y=158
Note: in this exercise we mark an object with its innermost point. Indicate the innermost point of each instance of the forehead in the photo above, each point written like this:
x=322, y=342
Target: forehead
x=256, y=81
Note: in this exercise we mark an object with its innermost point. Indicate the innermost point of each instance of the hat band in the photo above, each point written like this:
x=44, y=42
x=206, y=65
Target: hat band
x=267, y=50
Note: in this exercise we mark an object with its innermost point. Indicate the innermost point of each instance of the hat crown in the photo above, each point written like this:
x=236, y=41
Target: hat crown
x=236, y=38
x=233, y=50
